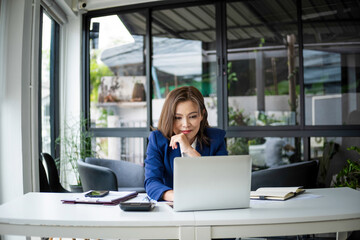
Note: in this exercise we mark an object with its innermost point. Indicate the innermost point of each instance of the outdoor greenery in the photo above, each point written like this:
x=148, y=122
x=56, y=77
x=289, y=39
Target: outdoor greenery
x=315, y=88
x=97, y=71
x=282, y=87
x=231, y=75
x=349, y=176
x=266, y=119
x=239, y=146
x=238, y=118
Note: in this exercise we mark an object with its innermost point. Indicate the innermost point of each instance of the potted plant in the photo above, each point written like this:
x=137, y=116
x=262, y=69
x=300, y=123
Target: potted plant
x=75, y=143
x=349, y=176
x=138, y=93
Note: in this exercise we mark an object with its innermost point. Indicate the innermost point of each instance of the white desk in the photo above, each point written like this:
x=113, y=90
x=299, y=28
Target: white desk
x=316, y=211
x=42, y=214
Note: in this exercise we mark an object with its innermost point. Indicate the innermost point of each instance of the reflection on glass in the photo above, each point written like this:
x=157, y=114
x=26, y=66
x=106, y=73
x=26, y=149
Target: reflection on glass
x=45, y=84
x=117, y=71
x=184, y=53
x=331, y=62
x=262, y=68
x=268, y=151
x=332, y=154
x=127, y=149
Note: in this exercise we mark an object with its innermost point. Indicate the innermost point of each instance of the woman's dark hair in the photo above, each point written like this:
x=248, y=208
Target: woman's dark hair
x=167, y=116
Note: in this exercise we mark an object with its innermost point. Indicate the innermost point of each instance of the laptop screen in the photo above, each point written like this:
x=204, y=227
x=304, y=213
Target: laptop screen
x=212, y=182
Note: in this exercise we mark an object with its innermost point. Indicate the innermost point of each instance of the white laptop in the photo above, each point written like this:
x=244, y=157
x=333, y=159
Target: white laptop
x=210, y=183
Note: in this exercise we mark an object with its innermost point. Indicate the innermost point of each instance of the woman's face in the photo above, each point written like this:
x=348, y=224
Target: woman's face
x=187, y=119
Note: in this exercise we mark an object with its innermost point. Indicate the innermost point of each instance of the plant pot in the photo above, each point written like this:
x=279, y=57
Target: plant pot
x=76, y=188
x=138, y=93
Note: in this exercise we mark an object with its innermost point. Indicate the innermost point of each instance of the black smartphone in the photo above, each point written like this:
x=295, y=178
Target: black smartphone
x=136, y=206
x=96, y=193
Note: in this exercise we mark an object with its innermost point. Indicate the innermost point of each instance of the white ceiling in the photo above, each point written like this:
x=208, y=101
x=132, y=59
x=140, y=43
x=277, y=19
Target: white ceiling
x=99, y=4
x=70, y=7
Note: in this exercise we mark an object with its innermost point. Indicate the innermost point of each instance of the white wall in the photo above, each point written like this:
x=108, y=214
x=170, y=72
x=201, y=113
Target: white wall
x=18, y=96
x=15, y=164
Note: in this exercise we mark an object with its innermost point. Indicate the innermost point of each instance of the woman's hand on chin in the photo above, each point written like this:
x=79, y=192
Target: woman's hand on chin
x=182, y=140
x=185, y=145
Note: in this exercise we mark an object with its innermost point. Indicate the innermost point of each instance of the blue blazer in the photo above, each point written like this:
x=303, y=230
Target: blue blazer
x=159, y=162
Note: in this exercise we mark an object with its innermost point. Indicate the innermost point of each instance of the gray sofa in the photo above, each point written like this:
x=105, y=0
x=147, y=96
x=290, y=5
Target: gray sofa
x=114, y=175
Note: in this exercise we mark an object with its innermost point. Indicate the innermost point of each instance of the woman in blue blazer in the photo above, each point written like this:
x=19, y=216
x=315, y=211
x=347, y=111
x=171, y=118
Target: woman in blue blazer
x=183, y=130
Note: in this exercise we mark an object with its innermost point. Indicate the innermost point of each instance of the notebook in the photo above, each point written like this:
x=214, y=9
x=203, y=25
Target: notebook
x=113, y=198
x=213, y=182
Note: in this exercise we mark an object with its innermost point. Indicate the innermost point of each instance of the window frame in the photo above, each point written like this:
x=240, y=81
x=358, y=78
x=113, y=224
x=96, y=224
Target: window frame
x=302, y=130
x=54, y=84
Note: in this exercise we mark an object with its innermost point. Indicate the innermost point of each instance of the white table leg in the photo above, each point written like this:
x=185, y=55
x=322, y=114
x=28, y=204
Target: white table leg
x=341, y=235
x=187, y=233
x=203, y=233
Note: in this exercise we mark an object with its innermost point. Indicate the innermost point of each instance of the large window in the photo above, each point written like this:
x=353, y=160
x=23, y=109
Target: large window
x=331, y=62
x=262, y=63
x=184, y=53
x=48, y=94
x=266, y=152
x=281, y=77
x=117, y=85
x=117, y=71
